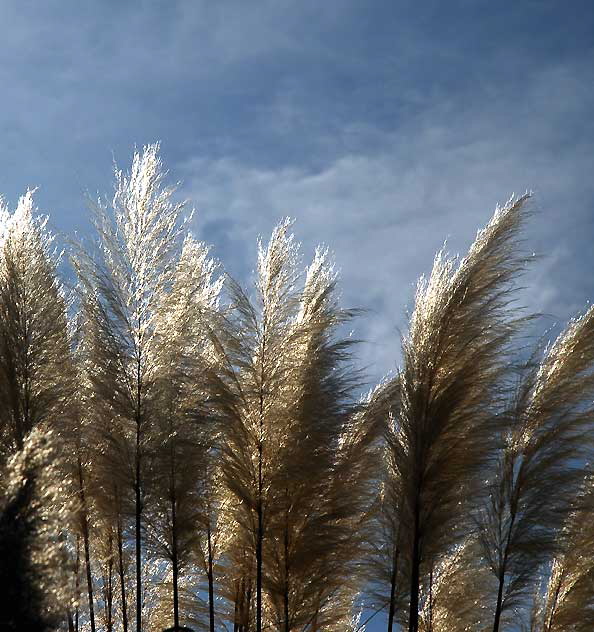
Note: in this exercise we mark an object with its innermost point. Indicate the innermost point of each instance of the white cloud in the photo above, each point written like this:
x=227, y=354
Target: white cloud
x=384, y=212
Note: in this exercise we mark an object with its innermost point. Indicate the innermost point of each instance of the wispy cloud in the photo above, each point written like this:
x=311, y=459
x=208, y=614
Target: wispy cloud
x=383, y=128
x=386, y=208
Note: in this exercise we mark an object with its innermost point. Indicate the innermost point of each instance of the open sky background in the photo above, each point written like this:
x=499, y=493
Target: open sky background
x=382, y=127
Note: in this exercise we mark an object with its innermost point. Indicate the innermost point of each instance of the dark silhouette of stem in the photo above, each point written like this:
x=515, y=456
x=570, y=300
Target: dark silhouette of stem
x=413, y=622
x=109, y=600
x=122, y=577
x=393, y=579
x=138, y=501
x=70, y=620
x=175, y=565
x=260, y=533
x=501, y=578
x=211, y=613
x=137, y=538
x=259, y=539
x=85, y=532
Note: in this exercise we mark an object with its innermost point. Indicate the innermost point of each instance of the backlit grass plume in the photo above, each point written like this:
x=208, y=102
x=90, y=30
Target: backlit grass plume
x=453, y=361
x=34, y=345
x=250, y=386
x=34, y=507
x=456, y=595
x=310, y=548
x=181, y=437
x=568, y=602
x=122, y=285
x=541, y=466
x=283, y=389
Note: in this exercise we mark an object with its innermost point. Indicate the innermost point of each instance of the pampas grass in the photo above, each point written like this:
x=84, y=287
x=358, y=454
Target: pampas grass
x=203, y=449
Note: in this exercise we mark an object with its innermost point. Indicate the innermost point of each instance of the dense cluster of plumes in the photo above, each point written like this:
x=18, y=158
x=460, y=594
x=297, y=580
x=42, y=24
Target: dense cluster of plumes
x=179, y=451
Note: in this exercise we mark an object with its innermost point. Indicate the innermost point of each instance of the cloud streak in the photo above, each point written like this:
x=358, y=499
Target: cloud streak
x=387, y=208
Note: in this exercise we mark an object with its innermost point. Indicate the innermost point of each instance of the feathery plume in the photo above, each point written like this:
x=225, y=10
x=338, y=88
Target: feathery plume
x=34, y=507
x=540, y=469
x=454, y=359
x=121, y=288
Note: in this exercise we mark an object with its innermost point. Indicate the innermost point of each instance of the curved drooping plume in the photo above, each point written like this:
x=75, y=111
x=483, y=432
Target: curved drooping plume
x=568, y=601
x=541, y=467
x=121, y=287
x=453, y=361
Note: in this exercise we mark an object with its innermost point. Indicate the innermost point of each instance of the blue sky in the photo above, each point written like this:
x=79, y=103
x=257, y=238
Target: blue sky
x=383, y=128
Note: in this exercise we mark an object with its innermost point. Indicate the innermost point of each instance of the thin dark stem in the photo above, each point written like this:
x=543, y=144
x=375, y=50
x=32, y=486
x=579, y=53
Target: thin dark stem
x=501, y=577
x=211, y=613
x=259, y=540
x=70, y=620
x=138, y=536
x=85, y=531
x=77, y=582
x=431, y=599
x=371, y=616
x=138, y=498
x=413, y=622
x=393, y=579
x=175, y=565
x=122, y=576
x=287, y=563
x=109, y=600
x=260, y=533
x=499, y=602
x=513, y=499
x=236, y=610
